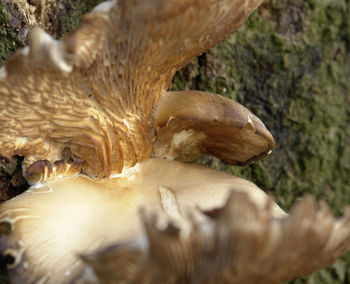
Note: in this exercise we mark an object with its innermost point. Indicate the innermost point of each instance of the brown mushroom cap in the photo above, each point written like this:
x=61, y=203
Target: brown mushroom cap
x=188, y=123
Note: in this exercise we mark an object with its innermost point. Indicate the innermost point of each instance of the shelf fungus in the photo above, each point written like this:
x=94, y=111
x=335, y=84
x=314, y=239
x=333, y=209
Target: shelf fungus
x=102, y=138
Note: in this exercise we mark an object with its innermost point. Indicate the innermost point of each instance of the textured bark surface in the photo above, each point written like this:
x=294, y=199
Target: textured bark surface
x=289, y=64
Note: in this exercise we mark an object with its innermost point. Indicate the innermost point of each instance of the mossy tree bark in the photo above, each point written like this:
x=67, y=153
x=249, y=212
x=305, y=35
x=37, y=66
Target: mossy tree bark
x=289, y=64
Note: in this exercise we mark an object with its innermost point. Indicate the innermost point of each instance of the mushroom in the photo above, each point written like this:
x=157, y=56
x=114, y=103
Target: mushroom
x=211, y=124
x=100, y=95
x=240, y=243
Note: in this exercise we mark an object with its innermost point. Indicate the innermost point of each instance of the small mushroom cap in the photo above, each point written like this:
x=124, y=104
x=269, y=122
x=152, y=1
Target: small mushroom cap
x=50, y=225
x=190, y=122
x=240, y=244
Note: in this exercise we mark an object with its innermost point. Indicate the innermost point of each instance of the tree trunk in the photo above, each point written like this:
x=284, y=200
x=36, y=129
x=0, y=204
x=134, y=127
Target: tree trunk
x=289, y=64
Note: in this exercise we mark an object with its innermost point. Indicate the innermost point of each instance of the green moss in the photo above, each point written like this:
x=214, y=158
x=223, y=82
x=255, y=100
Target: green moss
x=9, y=41
x=70, y=18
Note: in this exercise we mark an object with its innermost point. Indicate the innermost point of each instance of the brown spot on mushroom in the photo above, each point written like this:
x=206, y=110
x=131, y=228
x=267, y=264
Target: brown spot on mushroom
x=5, y=229
x=208, y=124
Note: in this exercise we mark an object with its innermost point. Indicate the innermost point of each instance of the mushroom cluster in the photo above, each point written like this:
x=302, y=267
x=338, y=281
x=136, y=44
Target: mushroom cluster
x=103, y=137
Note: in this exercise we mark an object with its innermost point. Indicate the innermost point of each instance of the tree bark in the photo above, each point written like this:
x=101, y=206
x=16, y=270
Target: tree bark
x=289, y=64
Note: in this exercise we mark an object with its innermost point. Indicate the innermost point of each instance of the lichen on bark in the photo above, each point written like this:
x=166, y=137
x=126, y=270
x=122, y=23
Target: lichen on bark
x=289, y=64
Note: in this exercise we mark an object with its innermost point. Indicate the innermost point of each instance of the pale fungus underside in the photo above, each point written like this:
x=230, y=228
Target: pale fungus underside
x=100, y=94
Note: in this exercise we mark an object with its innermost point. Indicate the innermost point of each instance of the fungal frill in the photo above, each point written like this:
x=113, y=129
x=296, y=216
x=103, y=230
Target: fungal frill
x=102, y=137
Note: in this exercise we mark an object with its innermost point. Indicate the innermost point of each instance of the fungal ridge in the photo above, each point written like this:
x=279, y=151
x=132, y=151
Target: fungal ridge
x=42, y=171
